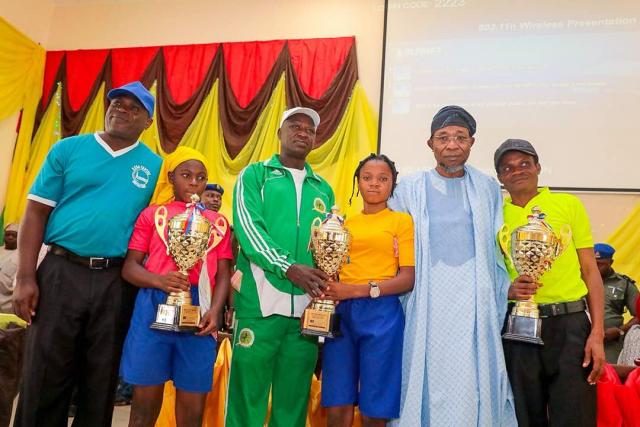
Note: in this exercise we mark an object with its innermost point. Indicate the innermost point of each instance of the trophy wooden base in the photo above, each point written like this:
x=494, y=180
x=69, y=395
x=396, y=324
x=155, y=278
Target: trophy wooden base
x=524, y=329
x=177, y=318
x=320, y=323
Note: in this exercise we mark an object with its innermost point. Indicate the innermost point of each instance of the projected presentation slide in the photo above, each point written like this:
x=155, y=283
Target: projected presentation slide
x=564, y=75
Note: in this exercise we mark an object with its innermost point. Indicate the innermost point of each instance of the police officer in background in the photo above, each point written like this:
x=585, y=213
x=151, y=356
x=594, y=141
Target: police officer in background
x=212, y=197
x=620, y=292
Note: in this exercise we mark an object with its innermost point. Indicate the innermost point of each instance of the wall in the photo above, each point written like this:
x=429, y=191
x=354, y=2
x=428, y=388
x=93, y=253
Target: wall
x=607, y=211
x=85, y=24
x=31, y=17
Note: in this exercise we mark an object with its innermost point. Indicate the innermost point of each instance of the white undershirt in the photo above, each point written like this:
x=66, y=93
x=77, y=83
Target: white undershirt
x=298, y=178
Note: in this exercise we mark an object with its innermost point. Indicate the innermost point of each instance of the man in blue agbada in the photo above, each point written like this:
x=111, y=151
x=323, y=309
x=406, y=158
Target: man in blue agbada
x=454, y=372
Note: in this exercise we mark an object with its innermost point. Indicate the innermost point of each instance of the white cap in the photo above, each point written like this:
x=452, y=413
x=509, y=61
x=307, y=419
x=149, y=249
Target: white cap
x=312, y=114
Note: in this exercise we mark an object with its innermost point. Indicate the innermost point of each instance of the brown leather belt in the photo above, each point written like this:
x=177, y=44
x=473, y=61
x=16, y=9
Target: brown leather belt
x=93, y=263
x=558, y=309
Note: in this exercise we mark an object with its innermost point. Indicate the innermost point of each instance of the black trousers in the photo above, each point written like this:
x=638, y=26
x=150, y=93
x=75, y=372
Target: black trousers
x=76, y=338
x=549, y=384
x=11, y=345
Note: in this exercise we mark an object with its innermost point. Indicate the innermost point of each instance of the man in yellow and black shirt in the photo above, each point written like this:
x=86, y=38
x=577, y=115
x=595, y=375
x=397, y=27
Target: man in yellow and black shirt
x=553, y=384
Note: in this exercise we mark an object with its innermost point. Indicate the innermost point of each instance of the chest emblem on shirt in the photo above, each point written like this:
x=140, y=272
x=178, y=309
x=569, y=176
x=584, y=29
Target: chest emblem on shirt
x=140, y=176
x=319, y=205
x=246, y=337
x=277, y=172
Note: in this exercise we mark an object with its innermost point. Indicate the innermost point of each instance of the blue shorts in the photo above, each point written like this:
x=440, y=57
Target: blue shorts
x=363, y=366
x=153, y=357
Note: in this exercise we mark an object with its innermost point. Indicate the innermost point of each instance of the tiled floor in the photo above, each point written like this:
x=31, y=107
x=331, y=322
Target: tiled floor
x=121, y=416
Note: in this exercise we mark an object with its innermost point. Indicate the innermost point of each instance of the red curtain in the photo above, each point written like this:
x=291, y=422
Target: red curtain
x=320, y=73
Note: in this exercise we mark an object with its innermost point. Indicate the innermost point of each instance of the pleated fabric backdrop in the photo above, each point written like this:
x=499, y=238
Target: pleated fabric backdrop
x=223, y=99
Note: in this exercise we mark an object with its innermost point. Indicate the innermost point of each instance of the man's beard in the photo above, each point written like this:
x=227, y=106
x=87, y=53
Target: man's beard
x=452, y=169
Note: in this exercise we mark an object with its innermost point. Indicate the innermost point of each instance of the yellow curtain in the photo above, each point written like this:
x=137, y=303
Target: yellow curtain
x=94, y=120
x=151, y=136
x=335, y=160
x=48, y=133
x=355, y=138
x=626, y=240
x=21, y=72
x=205, y=135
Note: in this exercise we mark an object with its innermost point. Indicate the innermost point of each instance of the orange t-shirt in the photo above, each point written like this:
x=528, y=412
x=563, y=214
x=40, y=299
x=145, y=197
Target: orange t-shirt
x=380, y=244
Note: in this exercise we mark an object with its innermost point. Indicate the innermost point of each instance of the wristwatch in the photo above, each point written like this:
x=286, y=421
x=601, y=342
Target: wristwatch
x=374, y=290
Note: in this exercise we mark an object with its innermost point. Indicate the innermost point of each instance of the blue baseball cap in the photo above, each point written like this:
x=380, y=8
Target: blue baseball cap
x=603, y=251
x=138, y=91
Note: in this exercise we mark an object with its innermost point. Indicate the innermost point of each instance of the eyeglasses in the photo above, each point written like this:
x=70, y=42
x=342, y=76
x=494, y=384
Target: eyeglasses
x=458, y=139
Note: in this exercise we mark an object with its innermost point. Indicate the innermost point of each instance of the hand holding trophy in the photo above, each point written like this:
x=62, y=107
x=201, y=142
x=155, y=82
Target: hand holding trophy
x=531, y=249
x=187, y=238
x=330, y=246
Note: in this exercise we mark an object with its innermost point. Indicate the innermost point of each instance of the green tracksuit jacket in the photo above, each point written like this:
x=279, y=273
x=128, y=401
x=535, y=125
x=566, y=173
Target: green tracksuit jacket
x=273, y=236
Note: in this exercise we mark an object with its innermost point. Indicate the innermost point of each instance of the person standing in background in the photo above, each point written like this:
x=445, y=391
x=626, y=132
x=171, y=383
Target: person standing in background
x=620, y=294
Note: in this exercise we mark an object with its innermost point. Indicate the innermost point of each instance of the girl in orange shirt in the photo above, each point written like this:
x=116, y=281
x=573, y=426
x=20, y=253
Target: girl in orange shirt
x=363, y=366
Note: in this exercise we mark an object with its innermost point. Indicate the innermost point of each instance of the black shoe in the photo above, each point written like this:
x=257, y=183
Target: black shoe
x=122, y=401
x=72, y=411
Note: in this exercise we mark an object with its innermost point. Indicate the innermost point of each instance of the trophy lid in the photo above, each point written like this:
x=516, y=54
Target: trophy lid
x=536, y=228
x=333, y=221
x=191, y=220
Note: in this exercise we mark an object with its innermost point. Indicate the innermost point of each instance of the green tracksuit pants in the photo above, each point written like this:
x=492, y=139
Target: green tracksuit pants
x=269, y=354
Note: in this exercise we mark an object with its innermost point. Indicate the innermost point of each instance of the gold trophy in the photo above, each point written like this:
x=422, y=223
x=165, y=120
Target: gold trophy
x=531, y=249
x=187, y=240
x=330, y=246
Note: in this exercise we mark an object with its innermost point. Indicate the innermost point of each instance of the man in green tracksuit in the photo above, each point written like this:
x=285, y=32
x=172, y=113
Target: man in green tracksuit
x=275, y=204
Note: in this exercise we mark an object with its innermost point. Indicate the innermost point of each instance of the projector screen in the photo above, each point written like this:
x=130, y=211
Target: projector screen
x=564, y=75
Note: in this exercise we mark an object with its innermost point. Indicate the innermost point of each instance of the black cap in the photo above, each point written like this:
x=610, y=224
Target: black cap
x=452, y=115
x=513, y=144
x=215, y=187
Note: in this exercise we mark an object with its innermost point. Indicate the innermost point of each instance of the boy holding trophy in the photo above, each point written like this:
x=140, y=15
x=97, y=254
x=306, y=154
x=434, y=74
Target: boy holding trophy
x=167, y=339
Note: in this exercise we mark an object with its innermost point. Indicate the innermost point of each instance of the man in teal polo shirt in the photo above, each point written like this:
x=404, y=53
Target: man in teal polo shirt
x=554, y=383
x=275, y=204
x=83, y=204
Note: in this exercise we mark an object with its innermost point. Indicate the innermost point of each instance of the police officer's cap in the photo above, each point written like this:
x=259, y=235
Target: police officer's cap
x=603, y=251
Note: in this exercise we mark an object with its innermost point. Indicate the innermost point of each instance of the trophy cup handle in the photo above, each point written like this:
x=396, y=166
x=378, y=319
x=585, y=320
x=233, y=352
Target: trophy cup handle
x=160, y=220
x=219, y=228
x=504, y=239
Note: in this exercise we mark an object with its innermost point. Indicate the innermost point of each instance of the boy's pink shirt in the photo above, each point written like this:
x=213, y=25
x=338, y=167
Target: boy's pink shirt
x=146, y=239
